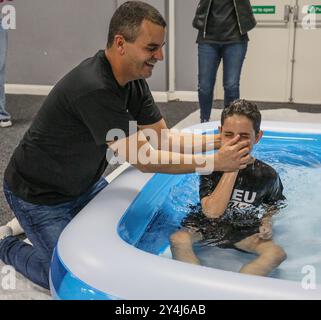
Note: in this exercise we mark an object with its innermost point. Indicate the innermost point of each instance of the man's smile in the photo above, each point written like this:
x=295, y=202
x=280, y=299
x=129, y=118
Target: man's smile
x=150, y=64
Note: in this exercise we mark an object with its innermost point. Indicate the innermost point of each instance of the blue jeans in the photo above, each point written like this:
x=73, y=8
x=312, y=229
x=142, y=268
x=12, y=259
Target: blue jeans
x=4, y=115
x=209, y=59
x=43, y=226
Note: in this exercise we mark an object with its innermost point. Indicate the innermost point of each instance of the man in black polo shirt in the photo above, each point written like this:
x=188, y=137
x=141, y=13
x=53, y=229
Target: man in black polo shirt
x=57, y=167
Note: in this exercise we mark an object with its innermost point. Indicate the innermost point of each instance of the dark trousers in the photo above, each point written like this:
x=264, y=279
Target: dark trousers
x=209, y=59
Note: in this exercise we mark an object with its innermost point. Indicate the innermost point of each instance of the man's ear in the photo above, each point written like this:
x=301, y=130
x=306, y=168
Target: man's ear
x=119, y=42
x=259, y=137
x=220, y=129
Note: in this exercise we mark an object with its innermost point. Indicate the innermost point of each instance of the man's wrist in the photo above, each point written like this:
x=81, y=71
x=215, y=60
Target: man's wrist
x=217, y=141
x=217, y=163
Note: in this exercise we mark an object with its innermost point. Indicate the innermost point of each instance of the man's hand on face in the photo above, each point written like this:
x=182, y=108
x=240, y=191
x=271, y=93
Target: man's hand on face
x=234, y=155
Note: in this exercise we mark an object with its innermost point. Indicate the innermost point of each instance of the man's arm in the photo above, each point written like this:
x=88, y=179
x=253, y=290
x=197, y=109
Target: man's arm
x=162, y=138
x=216, y=203
x=136, y=150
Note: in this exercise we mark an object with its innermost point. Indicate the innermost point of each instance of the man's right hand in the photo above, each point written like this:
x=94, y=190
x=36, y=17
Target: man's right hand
x=233, y=156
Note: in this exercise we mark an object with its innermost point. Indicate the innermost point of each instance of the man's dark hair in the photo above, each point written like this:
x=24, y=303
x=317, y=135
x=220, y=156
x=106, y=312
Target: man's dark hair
x=128, y=19
x=244, y=108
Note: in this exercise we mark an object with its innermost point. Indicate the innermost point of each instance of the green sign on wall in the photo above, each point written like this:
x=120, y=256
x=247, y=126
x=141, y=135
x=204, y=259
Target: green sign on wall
x=314, y=9
x=264, y=9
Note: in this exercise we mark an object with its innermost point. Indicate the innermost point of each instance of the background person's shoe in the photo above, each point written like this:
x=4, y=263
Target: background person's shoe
x=5, y=123
x=15, y=227
x=5, y=232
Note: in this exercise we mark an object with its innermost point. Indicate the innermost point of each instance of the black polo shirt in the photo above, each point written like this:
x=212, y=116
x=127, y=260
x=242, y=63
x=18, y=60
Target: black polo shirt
x=64, y=152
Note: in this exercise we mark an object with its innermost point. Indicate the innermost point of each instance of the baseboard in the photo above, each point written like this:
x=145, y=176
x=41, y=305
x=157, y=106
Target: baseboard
x=191, y=96
x=159, y=96
x=35, y=90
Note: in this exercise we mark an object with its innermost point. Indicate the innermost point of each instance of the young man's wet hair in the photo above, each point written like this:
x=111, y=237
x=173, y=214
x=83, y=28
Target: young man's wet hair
x=244, y=108
x=128, y=19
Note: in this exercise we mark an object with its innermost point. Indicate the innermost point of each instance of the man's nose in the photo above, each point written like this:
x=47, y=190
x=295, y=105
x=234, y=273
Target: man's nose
x=159, y=54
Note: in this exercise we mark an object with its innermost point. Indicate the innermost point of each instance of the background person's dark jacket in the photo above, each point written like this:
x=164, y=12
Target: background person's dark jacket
x=244, y=13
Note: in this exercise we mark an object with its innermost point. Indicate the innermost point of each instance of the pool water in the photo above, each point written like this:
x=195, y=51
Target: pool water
x=297, y=228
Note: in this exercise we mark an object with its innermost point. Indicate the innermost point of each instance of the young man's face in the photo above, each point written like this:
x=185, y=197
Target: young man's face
x=142, y=55
x=239, y=125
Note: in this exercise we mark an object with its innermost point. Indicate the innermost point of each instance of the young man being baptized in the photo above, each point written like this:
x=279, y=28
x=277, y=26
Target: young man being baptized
x=236, y=207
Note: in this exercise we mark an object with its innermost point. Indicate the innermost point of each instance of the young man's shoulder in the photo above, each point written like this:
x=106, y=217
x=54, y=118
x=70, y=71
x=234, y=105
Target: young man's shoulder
x=258, y=168
x=264, y=170
x=264, y=166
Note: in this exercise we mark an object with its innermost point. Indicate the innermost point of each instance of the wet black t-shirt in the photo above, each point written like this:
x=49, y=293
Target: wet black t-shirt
x=257, y=184
x=64, y=152
x=256, y=188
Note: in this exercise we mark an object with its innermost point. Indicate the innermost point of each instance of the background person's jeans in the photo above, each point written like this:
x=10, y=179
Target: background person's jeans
x=43, y=226
x=209, y=59
x=4, y=115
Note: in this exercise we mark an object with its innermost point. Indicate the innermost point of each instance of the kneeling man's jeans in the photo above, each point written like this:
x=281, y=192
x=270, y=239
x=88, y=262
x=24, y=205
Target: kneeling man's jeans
x=43, y=226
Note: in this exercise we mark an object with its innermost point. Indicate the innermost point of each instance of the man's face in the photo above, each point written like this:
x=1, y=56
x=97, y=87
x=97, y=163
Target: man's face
x=141, y=56
x=239, y=125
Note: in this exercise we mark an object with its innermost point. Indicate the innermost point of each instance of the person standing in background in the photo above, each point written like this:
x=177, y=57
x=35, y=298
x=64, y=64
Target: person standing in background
x=223, y=26
x=5, y=118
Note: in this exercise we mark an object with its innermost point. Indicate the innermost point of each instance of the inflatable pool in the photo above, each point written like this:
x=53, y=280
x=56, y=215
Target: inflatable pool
x=108, y=252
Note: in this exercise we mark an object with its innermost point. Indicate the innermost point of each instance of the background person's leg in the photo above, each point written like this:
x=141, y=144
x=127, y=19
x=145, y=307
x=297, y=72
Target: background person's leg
x=209, y=58
x=4, y=115
x=233, y=59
